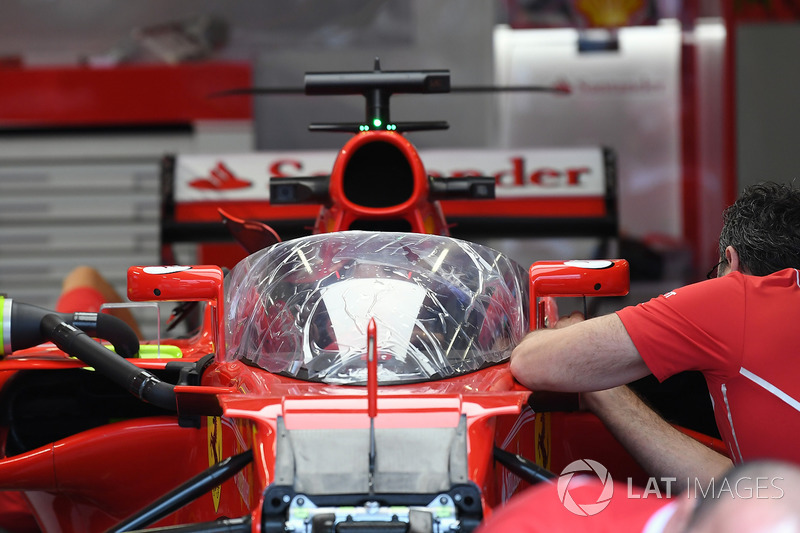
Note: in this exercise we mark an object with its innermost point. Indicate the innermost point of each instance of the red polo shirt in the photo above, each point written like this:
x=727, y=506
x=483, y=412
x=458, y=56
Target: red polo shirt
x=743, y=333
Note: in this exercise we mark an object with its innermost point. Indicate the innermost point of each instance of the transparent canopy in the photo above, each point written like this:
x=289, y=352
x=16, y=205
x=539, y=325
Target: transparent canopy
x=442, y=307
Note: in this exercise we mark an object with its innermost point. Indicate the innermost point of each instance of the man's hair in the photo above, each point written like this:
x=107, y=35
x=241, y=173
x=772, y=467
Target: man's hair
x=763, y=226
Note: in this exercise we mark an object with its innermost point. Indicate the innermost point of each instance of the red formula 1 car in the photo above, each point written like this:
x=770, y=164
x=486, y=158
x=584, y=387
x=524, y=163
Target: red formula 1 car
x=350, y=380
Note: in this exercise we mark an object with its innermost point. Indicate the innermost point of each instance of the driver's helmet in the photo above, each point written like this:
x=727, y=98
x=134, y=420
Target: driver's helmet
x=442, y=307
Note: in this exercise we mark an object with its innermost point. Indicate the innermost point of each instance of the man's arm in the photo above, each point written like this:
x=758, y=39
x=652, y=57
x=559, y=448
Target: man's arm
x=588, y=355
x=662, y=450
x=599, y=354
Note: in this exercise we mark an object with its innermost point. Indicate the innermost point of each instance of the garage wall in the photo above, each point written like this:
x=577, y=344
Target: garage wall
x=283, y=40
x=768, y=117
x=67, y=200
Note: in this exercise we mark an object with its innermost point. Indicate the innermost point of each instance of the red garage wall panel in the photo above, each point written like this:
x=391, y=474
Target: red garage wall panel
x=123, y=95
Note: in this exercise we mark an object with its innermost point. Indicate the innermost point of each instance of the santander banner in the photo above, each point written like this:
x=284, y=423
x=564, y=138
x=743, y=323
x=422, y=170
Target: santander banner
x=519, y=174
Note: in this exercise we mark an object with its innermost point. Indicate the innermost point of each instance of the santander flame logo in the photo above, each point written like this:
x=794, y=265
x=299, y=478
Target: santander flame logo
x=585, y=508
x=220, y=178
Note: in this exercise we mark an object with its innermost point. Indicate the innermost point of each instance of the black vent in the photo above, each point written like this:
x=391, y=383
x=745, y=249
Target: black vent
x=378, y=175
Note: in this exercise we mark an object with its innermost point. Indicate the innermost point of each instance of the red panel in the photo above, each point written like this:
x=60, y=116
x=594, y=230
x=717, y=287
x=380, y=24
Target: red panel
x=706, y=191
x=527, y=207
x=221, y=253
x=581, y=435
x=563, y=207
x=247, y=209
x=689, y=154
x=125, y=95
x=730, y=185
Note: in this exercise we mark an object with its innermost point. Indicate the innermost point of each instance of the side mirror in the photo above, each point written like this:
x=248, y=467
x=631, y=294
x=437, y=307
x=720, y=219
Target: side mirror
x=575, y=278
x=183, y=284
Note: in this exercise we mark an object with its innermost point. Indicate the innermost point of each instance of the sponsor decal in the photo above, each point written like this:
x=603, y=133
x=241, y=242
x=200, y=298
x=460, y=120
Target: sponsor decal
x=562, y=172
x=220, y=177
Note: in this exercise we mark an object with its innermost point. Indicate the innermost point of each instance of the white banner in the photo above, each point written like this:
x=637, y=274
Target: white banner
x=627, y=99
x=558, y=172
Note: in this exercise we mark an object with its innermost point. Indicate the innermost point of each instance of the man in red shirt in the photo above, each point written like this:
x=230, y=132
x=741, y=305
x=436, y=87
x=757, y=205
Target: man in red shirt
x=740, y=330
x=85, y=289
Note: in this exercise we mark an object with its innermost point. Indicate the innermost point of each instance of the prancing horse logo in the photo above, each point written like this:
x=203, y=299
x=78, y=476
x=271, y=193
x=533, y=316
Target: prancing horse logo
x=215, y=453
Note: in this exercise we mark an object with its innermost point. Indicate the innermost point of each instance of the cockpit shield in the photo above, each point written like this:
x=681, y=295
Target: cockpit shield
x=442, y=307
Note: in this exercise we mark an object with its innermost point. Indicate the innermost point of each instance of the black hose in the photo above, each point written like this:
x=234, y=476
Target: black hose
x=25, y=328
x=227, y=525
x=135, y=380
x=110, y=328
x=526, y=469
x=187, y=492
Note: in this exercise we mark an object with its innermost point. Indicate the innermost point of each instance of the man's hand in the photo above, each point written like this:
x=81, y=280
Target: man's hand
x=565, y=321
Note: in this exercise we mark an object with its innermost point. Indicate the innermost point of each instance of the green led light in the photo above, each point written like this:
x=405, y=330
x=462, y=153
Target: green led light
x=363, y=127
x=391, y=127
x=377, y=122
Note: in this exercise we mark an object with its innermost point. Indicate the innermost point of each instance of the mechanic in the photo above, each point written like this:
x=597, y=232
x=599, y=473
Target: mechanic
x=82, y=289
x=739, y=329
x=754, y=496
x=85, y=289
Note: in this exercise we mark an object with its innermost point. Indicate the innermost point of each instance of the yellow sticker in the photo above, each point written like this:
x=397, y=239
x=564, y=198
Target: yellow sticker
x=541, y=430
x=215, y=453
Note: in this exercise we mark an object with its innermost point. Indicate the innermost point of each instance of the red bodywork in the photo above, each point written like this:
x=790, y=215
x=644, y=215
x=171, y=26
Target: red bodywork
x=91, y=478
x=422, y=215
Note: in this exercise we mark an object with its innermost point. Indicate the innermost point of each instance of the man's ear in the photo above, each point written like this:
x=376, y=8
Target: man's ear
x=732, y=257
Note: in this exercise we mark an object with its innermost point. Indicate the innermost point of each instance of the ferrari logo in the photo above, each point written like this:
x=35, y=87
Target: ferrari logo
x=542, y=432
x=215, y=453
